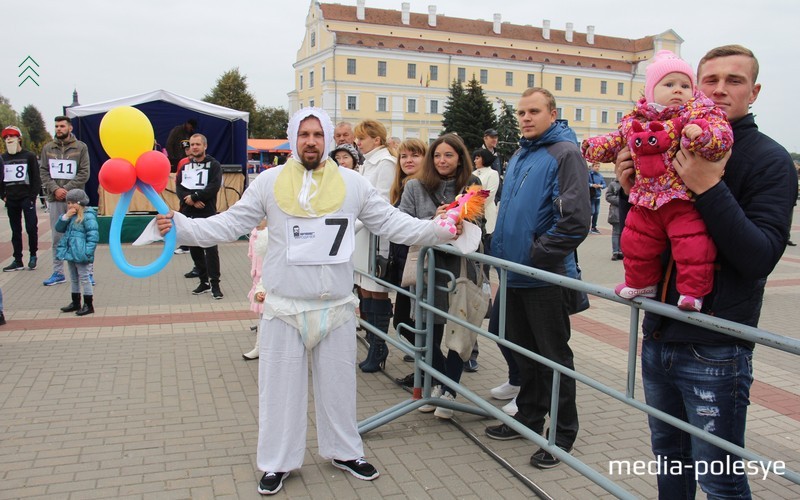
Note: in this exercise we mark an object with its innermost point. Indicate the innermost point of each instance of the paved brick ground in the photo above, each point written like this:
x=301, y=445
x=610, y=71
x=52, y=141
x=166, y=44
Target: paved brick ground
x=150, y=398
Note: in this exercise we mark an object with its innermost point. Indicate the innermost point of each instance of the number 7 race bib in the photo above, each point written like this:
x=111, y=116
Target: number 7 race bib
x=323, y=240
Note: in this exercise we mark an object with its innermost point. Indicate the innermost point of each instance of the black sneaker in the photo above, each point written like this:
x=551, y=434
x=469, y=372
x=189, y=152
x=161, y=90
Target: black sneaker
x=2, y=319
x=502, y=432
x=543, y=459
x=203, y=288
x=194, y=273
x=14, y=266
x=271, y=482
x=471, y=365
x=359, y=467
x=216, y=292
x=407, y=381
x=32, y=262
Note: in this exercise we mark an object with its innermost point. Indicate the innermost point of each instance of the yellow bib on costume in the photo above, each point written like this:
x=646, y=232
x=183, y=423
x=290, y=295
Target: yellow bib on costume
x=323, y=193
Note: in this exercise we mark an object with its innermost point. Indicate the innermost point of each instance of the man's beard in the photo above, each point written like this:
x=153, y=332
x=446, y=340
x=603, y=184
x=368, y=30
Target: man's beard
x=63, y=136
x=311, y=164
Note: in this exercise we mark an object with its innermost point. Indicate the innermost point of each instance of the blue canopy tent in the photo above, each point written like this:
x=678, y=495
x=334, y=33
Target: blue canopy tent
x=225, y=128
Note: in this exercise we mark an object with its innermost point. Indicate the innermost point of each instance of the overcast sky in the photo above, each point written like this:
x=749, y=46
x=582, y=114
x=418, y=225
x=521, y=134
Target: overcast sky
x=109, y=49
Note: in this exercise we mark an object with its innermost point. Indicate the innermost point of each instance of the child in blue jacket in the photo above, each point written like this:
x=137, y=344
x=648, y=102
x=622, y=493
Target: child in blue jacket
x=76, y=248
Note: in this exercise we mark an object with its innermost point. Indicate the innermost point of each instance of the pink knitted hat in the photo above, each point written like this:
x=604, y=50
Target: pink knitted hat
x=664, y=63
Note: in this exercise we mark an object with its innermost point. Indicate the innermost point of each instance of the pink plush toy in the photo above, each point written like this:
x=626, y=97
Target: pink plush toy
x=468, y=206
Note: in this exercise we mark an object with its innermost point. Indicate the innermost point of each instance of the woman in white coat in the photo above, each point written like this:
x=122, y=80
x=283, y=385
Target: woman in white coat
x=375, y=307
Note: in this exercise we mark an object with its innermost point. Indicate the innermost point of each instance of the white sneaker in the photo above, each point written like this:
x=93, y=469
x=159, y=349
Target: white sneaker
x=443, y=412
x=511, y=407
x=436, y=392
x=505, y=391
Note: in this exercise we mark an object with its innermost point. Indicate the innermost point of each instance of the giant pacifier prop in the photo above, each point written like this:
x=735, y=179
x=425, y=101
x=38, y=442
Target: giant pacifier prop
x=127, y=137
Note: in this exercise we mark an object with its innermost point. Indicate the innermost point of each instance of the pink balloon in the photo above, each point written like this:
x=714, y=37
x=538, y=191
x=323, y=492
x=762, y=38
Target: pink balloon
x=117, y=175
x=152, y=167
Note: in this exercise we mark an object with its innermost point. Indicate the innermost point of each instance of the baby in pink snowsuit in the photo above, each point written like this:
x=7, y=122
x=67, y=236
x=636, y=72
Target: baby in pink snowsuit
x=672, y=113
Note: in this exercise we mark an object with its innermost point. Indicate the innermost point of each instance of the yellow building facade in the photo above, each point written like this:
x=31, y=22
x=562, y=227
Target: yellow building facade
x=396, y=66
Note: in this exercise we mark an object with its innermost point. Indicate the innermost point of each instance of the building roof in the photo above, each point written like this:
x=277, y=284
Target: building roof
x=450, y=48
x=508, y=31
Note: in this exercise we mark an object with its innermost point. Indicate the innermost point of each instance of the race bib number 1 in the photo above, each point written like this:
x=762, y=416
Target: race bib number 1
x=63, y=169
x=324, y=240
x=194, y=178
x=15, y=172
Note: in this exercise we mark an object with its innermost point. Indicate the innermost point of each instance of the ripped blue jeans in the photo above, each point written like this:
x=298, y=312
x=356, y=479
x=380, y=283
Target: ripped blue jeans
x=709, y=387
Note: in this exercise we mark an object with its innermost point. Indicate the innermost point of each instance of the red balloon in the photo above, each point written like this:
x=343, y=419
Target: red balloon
x=152, y=167
x=161, y=187
x=117, y=175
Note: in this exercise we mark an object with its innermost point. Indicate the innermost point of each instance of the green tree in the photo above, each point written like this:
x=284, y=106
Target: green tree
x=36, y=131
x=269, y=123
x=7, y=114
x=478, y=115
x=452, y=117
x=231, y=91
x=507, y=130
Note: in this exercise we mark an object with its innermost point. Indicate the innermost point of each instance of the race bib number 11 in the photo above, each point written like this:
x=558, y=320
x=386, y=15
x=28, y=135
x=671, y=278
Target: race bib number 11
x=63, y=169
x=324, y=240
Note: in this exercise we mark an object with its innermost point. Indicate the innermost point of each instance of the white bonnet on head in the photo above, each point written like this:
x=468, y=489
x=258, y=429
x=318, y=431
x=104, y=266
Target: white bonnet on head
x=294, y=126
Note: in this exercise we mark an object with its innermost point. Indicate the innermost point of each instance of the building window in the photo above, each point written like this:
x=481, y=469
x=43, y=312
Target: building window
x=484, y=76
x=323, y=74
x=301, y=82
x=619, y=116
x=311, y=103
x=381, y=104
x=603, y=87
x=351, y=66
x=352, y=103
x=509, y=78
x=412, y=70
x=531, y=80
x=620, y=88
x=462, y=75
x=434, y=107
x=313, y=39
x=577, y=85
x=604, y=117
x=578, y=115
x=558, y=83
x=381, y=68
x=412, y=105
x=558, y=112
x=434, y=73
x=310, y=79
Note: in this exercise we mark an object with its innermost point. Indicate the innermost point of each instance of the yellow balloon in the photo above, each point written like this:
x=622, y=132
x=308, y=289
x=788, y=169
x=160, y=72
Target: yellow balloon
x=125, y=132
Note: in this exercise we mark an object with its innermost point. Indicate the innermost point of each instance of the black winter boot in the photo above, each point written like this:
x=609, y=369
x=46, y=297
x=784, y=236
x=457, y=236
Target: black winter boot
x=378, y=350
x=365, y=311
x=88, y=306
x=74, y=305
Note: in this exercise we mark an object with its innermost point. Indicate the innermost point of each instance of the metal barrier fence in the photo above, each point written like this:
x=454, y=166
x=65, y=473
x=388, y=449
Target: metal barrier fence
x=424, y=312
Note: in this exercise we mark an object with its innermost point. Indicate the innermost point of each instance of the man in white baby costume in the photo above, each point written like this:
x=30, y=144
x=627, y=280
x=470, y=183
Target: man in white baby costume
x=311, y=206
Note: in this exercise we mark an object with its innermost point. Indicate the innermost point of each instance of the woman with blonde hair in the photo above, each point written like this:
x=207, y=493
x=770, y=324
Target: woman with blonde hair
x=375, y=306
x=410, y=157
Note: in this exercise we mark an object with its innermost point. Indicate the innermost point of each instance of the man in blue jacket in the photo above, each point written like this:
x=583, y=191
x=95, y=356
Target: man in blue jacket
x=694, y=374
x=544, y=215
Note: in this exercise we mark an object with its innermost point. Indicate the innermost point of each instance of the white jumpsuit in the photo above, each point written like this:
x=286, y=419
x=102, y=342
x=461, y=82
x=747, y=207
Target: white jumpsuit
x=298, y=289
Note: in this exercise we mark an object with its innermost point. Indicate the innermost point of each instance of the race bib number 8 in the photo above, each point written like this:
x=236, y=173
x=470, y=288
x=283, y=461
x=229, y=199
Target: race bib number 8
x=63, y=169
x=15, y=172
x=324, y=240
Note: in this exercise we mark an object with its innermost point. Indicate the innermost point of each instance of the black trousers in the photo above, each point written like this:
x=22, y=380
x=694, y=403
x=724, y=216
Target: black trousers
x=16, y=210
x=537, y=319
x=206, y=260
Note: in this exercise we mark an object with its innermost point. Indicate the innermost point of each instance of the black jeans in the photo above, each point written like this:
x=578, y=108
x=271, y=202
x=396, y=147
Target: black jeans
x=537, y=320
x=16, y=209
x=206, y=260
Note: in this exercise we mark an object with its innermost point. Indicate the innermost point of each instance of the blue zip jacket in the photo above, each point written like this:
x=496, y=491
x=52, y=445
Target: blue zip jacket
x=544, y=210
x=80, y=238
